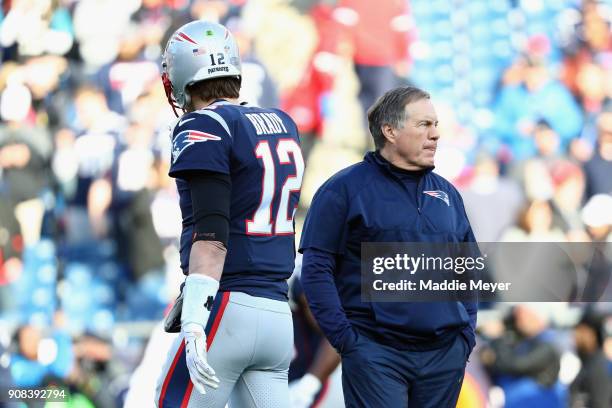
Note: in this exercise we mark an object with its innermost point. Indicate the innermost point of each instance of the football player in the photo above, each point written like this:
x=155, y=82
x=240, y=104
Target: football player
x=238, y=170
x=314, y=376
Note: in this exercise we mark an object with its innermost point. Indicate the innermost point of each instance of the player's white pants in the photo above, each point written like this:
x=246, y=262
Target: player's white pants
x=250, y=343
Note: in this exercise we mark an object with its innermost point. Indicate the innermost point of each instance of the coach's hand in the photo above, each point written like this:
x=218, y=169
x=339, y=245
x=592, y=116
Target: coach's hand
x=201, y=373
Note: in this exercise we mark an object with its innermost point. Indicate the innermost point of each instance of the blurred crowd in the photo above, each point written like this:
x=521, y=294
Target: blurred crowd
x=89, y=219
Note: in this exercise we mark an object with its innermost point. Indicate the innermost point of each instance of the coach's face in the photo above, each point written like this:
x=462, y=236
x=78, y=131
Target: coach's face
x=416, y=141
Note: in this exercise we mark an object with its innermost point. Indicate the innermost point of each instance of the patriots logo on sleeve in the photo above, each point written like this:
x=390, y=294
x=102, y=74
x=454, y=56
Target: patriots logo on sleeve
x=188, y=138
x=439, y=194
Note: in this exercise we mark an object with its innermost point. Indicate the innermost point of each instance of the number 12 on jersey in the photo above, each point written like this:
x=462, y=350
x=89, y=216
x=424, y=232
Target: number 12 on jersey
x=261, y=223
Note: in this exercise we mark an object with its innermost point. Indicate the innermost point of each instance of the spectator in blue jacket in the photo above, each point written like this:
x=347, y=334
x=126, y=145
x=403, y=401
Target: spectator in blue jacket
x=39, y=357
x=537, y=97
x=402, y=353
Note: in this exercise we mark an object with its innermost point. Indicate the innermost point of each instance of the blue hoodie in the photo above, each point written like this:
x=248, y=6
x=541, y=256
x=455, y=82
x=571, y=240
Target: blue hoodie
x=373, y=201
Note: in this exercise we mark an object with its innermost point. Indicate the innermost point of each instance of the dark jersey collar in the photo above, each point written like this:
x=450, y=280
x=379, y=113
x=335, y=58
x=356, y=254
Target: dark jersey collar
x=377, y=159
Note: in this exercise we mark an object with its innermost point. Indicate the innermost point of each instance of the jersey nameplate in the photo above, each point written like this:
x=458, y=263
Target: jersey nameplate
x=267, y=123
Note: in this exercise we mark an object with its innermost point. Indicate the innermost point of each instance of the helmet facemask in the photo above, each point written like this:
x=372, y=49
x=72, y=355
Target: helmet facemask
x=168, y=89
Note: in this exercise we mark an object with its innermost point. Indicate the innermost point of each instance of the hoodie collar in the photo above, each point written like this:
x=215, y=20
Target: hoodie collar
x=378, y=160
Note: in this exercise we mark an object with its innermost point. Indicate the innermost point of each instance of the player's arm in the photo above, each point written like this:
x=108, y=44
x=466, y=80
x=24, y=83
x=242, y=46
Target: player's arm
x=302, y=392
x=201, y=150
x=210, y=198
x=325, y=362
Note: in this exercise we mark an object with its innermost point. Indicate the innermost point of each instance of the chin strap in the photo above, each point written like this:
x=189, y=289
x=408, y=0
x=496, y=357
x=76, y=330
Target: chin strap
x=168, y=89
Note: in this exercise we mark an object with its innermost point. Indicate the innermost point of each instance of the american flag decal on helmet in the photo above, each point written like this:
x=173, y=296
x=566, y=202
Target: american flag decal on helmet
x=199, y=51
x=438, y=194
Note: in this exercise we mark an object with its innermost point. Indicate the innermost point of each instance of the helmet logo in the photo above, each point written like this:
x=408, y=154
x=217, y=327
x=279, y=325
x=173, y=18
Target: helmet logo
x=210, y=33
x=182, y=36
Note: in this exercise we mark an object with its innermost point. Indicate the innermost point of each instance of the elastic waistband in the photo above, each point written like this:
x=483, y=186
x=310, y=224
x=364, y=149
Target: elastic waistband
x=272, y=305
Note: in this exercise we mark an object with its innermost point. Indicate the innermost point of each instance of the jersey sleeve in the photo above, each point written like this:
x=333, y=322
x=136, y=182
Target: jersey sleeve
x=201, y=141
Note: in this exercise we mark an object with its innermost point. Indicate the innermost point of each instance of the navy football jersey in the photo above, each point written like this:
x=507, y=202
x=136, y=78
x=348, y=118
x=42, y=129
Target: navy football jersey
x=260, y=150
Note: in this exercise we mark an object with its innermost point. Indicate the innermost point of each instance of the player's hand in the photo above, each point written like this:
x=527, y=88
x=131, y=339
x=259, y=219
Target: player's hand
x=201, y=373
x=302, y=392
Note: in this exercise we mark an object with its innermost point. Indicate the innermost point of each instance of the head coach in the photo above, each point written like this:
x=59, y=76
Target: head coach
x=394, y=354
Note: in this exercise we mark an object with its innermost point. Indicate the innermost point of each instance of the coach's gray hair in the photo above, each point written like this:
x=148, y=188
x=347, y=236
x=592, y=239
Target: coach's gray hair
x=390, y=109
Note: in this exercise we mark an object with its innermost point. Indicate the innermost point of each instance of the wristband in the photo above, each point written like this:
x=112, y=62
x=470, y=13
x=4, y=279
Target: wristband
x=310, y=383
x=198, y=296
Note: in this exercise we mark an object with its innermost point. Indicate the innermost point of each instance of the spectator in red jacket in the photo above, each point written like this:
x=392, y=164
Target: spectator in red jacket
x=380, y=34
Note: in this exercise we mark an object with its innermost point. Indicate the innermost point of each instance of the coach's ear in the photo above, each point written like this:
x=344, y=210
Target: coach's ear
x=389, y=133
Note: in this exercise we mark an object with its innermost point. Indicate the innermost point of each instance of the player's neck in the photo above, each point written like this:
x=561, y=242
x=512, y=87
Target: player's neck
x=200, y=104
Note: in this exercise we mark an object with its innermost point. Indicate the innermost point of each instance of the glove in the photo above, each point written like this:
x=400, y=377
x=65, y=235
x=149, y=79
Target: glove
x=201, y=373
x=303, y=391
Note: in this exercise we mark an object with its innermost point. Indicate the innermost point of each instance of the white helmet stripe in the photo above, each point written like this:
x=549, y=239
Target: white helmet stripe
x=186, y=37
